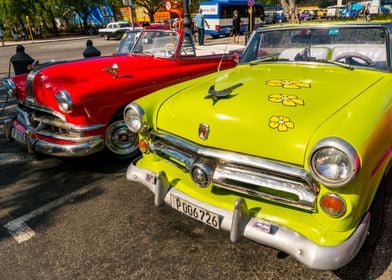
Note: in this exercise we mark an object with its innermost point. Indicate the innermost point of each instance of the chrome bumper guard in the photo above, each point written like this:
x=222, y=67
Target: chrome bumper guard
x=240, y=224
x=92, y=145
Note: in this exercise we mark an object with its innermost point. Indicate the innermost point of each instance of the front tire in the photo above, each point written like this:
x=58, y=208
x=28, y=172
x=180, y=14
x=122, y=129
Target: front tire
x=120, y=142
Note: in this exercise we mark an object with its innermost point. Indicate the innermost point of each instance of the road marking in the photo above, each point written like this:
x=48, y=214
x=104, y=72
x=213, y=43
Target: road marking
x=21, y=232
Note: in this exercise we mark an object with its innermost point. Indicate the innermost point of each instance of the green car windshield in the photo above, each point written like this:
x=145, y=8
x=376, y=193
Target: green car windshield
x=356, y=46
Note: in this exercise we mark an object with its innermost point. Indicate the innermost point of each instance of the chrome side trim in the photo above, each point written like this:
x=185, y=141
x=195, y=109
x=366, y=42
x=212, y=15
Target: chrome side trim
x=29, y=82
x=239, y=223
x=34, y=72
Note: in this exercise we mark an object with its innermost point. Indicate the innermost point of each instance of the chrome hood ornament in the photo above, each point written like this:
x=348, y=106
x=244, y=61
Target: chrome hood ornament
x=224, y=93
x=114, y=71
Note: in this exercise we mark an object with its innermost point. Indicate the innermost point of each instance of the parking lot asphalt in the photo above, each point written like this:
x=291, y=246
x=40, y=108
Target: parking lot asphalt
x=81, y=219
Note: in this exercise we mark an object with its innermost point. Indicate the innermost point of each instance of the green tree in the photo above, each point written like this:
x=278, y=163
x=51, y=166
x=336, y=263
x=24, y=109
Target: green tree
x=82, y=8
x=44, y=9
x=151, y=6
x=290, y=10
x=14, y=14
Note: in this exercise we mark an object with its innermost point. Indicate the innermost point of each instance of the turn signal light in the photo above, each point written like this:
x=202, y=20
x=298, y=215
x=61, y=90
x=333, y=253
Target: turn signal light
x=143, y=146
x=333, y=205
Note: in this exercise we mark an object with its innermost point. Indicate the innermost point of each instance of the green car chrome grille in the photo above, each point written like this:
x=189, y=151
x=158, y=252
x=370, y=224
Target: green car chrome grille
x=249, y=175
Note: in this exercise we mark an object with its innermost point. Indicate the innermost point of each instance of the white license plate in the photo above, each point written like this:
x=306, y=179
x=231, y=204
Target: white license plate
x=195, y=212
x=18, y=135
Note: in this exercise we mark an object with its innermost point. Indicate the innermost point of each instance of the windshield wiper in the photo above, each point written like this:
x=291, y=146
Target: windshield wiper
x=341, y=64
x=271, y=57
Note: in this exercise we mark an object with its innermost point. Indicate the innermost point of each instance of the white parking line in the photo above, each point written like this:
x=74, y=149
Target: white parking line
x=21, y=232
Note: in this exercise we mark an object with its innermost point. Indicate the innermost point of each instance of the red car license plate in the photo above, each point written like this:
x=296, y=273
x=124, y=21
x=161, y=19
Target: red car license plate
x=18, y=135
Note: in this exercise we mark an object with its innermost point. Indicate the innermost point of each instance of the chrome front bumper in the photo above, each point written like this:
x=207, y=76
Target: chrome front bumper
x=33, y=144
x=239, y=223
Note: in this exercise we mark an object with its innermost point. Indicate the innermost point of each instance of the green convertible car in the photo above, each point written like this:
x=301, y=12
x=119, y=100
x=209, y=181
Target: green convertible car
x=289, y=149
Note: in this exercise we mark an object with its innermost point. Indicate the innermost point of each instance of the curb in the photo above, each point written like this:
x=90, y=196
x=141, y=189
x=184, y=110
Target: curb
x=41, y=41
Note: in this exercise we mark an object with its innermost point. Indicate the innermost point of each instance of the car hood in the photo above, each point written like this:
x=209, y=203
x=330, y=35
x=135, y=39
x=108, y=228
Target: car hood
x=272, y=110
x=84, y=74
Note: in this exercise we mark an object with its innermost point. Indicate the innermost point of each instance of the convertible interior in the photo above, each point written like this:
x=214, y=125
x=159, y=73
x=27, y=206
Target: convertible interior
x=368, y=55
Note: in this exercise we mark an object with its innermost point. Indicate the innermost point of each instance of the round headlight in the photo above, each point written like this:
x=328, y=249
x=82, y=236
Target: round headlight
x=134, y=117
x=334, y=162
x=64, y=101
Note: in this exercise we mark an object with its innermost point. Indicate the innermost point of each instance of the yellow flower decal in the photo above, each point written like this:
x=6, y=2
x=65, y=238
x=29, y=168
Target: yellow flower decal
x=287, y=100
x=281, y=123
x=287, y=84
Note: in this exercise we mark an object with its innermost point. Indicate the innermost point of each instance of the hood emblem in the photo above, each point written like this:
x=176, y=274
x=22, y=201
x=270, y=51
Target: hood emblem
x=215, y=95
x=204, y=130
x=114, y=71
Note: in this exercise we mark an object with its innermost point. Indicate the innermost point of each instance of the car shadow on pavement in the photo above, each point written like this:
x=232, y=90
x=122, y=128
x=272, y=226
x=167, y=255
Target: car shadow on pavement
x=372, y=263
x=28, y=182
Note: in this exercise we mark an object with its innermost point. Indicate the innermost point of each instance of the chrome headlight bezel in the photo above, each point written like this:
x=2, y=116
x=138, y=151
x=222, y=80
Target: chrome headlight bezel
x=337, y=156
x=135, y=118
x=10, y=87
x=64, y=101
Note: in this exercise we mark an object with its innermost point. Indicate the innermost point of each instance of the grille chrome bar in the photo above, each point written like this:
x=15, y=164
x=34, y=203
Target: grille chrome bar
x=250, y=175
x=270, y=187
x=49, y=117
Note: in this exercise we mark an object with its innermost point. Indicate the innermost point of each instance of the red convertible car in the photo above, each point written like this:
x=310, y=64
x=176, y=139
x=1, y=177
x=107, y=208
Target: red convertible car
x=74, y=108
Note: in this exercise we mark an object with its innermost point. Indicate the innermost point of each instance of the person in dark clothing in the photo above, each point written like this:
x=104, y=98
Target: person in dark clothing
x=236, y=27
x=21, y=61
x=90, y=50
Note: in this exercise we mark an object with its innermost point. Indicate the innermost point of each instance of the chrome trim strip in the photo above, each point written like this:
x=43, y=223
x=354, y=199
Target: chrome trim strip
x=42, y=109
x=281, y=238
x=34, y=72
x=29, y=82
x=57, y=123
x=166, y=150
x=232, y=178
x=64, y=137
x=94, y=145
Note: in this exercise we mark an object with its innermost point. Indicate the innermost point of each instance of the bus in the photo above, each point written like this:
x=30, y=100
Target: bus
x=219, y=15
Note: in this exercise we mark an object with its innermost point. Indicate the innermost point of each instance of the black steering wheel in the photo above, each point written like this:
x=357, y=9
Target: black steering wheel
x=354, y=59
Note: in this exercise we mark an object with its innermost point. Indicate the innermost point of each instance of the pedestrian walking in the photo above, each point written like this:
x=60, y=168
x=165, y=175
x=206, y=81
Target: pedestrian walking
x=199, y=22
x=235, y=29
x=90, y=50
x=2, y=37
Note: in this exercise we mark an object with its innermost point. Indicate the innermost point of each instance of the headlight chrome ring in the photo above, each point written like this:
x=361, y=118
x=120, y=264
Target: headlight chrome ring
x=334, y=162
x=135, y=117
x=64, y=101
